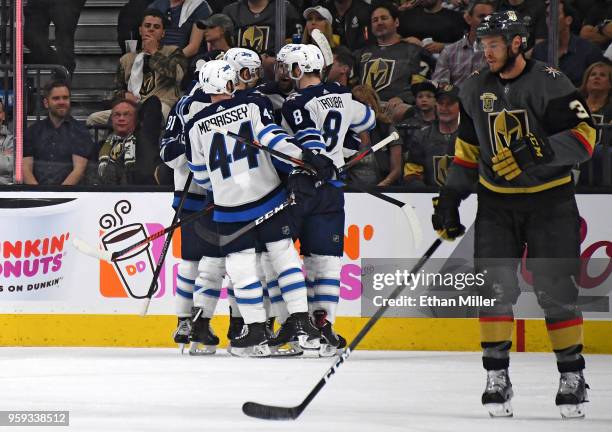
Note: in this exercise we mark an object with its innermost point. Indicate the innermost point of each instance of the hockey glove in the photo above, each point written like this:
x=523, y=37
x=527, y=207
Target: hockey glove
x=523, y=153
x=322, y=164
x=445, y=219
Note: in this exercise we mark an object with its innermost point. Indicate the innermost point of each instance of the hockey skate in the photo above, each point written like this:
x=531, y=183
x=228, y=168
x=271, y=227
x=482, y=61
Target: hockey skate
x=497, y=394
x=331, y=342
x=203, y=340
x=181, y=334
x=252, y=342
x=235, y=329
x=297, y=336
x=571, y=395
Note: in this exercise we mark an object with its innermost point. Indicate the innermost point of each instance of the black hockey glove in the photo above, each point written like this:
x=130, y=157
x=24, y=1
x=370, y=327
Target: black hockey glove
x=322, y=164
x=301, y=184
x=445, y=219
x=522, y=154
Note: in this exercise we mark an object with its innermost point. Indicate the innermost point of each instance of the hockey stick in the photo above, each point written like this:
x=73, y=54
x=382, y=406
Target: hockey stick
x=271, y=412
x=222, y=240
x=256, y=144
x=162, y=257
x=87, y=249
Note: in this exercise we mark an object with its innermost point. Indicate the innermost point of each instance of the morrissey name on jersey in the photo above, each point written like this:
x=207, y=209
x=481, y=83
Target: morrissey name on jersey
x=331, y=102
x=223, y=119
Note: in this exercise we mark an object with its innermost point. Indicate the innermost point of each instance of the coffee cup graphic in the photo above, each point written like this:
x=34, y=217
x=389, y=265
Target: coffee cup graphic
x=136, y=268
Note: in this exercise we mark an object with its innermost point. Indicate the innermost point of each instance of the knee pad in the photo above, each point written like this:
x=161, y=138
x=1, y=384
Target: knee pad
x=242, y=269
x=282, y=255
x=555, y=292
x=501, y=284
x=188, y=271
x=210, y=274
x=285, y=262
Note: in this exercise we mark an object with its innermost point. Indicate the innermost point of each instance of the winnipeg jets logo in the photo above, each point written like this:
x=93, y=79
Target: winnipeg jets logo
x=552, y=71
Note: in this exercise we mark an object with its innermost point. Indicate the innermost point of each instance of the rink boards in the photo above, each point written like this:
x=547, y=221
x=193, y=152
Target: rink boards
x=51, y=295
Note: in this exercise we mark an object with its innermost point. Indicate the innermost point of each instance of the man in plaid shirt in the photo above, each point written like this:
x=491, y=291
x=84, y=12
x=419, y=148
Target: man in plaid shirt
x=459, y=60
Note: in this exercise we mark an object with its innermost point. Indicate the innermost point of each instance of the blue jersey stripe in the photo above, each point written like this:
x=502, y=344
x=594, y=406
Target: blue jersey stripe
x=184, y=294
x=212, y=293
x=223, y=215
x=365, y=119
x=254, y=285
x=255, y=300
x=325, y=298
x=334, y=282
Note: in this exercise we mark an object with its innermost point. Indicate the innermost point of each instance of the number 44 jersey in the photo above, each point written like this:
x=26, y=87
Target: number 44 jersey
x=320, y=116
x=243, y=179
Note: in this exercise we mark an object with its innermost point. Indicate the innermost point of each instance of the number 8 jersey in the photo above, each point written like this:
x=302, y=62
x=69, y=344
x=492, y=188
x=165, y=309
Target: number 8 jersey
x=320, y=116
x=243, y=179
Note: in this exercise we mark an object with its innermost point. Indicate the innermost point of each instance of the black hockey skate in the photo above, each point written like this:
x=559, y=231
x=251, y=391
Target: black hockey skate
x=252, y=342
x=331, y=342
x=571, y=395
x=203, y=340
x=296, y=336
x=181, y=334
x=497, y=394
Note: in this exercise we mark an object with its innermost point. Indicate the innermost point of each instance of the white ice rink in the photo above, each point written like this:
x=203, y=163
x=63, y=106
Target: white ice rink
x=159, y=390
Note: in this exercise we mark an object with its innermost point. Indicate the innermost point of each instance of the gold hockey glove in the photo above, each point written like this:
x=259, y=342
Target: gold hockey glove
x=522, y=154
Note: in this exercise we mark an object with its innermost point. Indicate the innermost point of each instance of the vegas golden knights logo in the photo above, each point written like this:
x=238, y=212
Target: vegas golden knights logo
x=488, y=102
x=378, y=73
x=148, y=84
x=254, y=38
x=441, y=164
x=507, y=126
x=597, y=119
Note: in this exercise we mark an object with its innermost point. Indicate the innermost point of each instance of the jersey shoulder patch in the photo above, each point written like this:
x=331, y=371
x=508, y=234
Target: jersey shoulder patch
x=551, y=71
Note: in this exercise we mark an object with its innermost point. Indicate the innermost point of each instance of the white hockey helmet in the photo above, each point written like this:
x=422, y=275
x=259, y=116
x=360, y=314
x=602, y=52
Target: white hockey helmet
x=215, y=76
x=243, y=58
x=307, y=57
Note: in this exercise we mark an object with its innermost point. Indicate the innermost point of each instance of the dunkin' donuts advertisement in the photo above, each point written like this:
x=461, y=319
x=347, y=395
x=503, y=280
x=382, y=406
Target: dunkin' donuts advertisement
x=41, y=271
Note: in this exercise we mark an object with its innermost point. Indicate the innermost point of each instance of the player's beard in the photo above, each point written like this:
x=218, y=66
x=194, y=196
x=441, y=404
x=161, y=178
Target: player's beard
x=510, y=61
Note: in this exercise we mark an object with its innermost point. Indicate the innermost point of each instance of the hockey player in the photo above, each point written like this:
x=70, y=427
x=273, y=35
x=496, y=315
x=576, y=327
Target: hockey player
x=320, y=115
x=194, y=309
x=523, y=127
x=247, y=187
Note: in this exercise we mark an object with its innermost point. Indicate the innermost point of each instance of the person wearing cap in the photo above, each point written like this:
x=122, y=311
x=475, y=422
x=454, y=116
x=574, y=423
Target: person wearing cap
x=318, y=17
x=351, y=21
x=431, y=152
x=459, y=60
x=218, y=32
x=421, y=115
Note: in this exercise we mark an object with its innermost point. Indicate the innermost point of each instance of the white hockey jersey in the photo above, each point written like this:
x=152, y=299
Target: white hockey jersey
x=243, y=179
x=320, y=116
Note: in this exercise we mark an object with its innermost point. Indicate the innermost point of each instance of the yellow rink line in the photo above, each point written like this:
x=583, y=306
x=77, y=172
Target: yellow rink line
x=389, y=333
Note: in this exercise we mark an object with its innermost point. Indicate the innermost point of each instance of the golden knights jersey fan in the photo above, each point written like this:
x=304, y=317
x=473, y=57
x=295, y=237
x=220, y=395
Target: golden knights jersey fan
x=523, y=127
x=255, y=30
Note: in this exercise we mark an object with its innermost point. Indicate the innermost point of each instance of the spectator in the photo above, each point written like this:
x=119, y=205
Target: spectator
x=391, y=66
x=351, y=21
x=459, y=60
x=431, y=25
x=181, y=29
x=595, y=88
x=129, y=153
x=432, y=152
x=384, y=167
x=254, y=22
x=319, y=18
x=597, y=26
x=535, y=10
x=128, y=22
x=575, y=53
x=155, y=72
x=55, y=149
x=65, y=16
x=423, y=114
x=341, y=70
x=7, y=150
x=218, y=34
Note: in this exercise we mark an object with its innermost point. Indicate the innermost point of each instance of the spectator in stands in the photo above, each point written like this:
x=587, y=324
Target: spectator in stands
x=341, y=70
x=128, y=22
x=181, y=29
x=431, y=26
x=423, y=113
x=319, y=18
x=391, y=66
x=597, y=26
x=596, y=87
x=218, y=37
x=351, y=21
x=575, y=53
x=65, y=16
x=7, y=150
x=56, y=148
x=384, y=167
x=431, y=153
x=459, y=60
x=535, y=10
x=153, y=73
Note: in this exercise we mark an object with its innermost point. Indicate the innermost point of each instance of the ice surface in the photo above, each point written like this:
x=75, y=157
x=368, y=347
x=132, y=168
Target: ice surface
x=159, y=390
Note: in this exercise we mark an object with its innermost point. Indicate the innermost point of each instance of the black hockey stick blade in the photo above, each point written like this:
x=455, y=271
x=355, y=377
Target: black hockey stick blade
x=269, y=412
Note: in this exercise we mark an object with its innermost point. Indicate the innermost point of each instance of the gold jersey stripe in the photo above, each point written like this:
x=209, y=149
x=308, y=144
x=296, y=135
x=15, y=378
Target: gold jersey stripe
x=528, y=189
x=466, y=151
x=587, y=136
